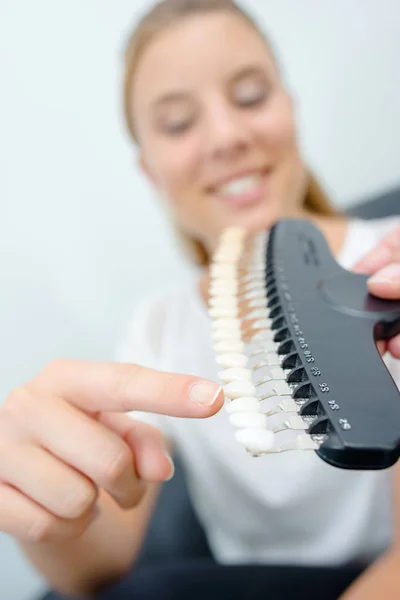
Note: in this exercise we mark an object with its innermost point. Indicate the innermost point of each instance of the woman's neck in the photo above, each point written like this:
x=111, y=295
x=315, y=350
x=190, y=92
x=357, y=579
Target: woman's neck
x=333, y=228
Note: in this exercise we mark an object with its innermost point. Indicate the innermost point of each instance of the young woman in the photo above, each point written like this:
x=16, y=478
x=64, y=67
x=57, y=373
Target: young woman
x=216, y=134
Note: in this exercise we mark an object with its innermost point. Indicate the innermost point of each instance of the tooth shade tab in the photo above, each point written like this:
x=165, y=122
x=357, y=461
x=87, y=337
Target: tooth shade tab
x=223, y=287
x=219, y=301
x=217, y=270
x=295, y=423
x=243, y=404
x=232, y=360
x=223, y=311
x=287, y=405
x=238, y=374
x=229, y=346
x=256, y=441
x=248, y=420
x=236, y=389
x=229, y=323
x=220, y=335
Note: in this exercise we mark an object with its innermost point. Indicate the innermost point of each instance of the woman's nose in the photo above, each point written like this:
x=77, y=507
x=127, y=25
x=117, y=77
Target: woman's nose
x=227, y=134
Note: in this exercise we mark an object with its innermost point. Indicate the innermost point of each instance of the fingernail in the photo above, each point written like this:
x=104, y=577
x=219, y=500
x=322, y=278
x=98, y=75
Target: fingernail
x=172, y=472
x=387, y=274
x=205, y=393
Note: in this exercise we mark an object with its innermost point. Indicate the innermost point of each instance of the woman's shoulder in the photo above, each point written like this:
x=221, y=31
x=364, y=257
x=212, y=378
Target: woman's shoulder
x=363, y=236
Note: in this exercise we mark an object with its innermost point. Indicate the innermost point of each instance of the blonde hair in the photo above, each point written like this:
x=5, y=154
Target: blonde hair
x=161, y=16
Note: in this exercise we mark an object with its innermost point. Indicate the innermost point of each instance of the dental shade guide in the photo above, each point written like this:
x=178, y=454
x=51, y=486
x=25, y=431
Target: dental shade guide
x=295, y=336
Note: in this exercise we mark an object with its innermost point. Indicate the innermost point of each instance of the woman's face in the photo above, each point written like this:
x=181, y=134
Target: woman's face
x=216, y=127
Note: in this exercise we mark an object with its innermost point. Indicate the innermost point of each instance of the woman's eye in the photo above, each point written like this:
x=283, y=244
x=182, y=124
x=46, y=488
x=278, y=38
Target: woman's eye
x=176, y=127
x=250, y=93
x=175, y=121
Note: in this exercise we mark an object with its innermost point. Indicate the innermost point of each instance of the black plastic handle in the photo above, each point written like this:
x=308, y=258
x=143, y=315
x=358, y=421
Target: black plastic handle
x=328, y=327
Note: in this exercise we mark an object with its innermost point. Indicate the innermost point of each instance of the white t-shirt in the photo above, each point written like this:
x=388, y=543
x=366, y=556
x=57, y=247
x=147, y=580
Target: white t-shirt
x=285, y=508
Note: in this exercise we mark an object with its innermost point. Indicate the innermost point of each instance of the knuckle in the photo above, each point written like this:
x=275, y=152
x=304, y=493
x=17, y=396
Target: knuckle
x=42, y=528
x=57, y=365
x=79, y=500
x=115, y=464
x=19, y=401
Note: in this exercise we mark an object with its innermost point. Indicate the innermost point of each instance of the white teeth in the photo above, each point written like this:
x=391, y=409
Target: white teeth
x=229, y=346
x=226, y=334
x=277, y=374
x=232, y=360
x=295, y=422
x=226, y=323
x=248, y=420
x=280, y=388
x=287, y=405
x=223, y=302
x=223, y=287
x=240, y=186
x=243, y=404
x=256, y=441
x=221, y=311
x=223, y=270
x=258, y=303
x=236, y=389
x=237, y=374
x=241, y=330
x=262, y=324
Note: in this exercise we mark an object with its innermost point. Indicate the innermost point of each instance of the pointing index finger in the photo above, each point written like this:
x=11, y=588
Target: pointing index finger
x=120, y=387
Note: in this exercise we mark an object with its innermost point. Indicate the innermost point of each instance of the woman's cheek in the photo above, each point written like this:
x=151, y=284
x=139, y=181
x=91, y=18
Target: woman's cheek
x=277, y=127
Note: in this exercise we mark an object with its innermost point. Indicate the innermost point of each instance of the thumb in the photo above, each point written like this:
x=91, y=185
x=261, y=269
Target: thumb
x=385, y=283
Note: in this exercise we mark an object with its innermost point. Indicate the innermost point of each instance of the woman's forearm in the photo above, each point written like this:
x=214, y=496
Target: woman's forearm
x=380, y=581
x=102, y=555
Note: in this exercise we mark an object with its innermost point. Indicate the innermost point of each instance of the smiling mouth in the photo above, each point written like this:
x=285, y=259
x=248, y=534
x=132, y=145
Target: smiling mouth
x=243, y=191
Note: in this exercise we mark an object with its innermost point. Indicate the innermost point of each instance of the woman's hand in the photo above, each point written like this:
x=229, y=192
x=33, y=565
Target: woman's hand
x=62, y=439
x=383, y=264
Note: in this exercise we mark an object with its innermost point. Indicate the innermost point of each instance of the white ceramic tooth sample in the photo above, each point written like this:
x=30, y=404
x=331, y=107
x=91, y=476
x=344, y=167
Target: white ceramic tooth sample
x=255, y=285
x=278, y=374
x=220, y=335
x=255, y=294
x=218, y=270
x=227, y=301
x=268, y=346
x=223, y=287
x=287, y=405
x=279, y=388
x=235, y=233
x=262, y=324
x=305, y=442
x=258, y=303
x=258, y=313
x=256, y=441
x=236, y=389
x=238, y=374
x=243, y=404
x=248, y=420
x=271, y=359
x=220, y=311
x=228, y=254
x=229, y=346
x=232, y=360
x=226, y=323
x=295, y=422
